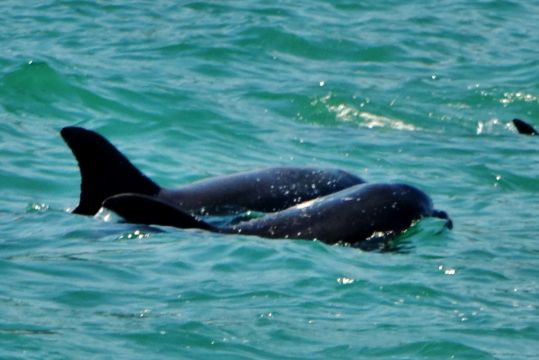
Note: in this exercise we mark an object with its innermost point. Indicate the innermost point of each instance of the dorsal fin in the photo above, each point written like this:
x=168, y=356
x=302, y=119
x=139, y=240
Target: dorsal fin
x=104, y=170
x=143, y=209
x=524, y=128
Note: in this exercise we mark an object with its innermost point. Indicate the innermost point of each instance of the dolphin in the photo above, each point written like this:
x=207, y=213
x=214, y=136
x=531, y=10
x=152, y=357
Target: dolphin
x=106, y=172
x=524, y=128
x=355, y=216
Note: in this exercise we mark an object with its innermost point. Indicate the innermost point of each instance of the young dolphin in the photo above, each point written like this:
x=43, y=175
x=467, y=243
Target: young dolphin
x=351, y=216
x=106, y=172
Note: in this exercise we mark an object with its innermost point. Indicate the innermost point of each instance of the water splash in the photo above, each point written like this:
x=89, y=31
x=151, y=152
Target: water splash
x=349, y=113
x=519, y=96
x=493, y=126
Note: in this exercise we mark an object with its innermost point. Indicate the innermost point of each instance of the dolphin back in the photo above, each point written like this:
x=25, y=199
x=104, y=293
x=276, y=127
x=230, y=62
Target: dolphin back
x=351, y=216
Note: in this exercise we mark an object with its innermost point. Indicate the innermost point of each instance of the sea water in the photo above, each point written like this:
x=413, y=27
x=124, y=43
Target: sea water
x=393, y=91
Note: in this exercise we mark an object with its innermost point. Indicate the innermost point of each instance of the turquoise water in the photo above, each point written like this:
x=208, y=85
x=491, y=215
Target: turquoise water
x=391, y=91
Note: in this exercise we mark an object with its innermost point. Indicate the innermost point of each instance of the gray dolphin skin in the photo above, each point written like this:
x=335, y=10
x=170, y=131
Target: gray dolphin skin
x=106, y=172
x=352, y=216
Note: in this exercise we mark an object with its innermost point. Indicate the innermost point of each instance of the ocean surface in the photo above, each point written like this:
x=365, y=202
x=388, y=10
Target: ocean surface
x=393, y=91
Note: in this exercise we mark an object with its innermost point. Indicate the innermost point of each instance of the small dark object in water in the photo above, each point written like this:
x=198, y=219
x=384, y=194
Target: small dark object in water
x=524, y=128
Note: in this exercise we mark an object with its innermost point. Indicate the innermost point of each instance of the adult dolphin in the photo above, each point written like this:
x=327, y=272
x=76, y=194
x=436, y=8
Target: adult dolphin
x=106, y=172
x=353, y=216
